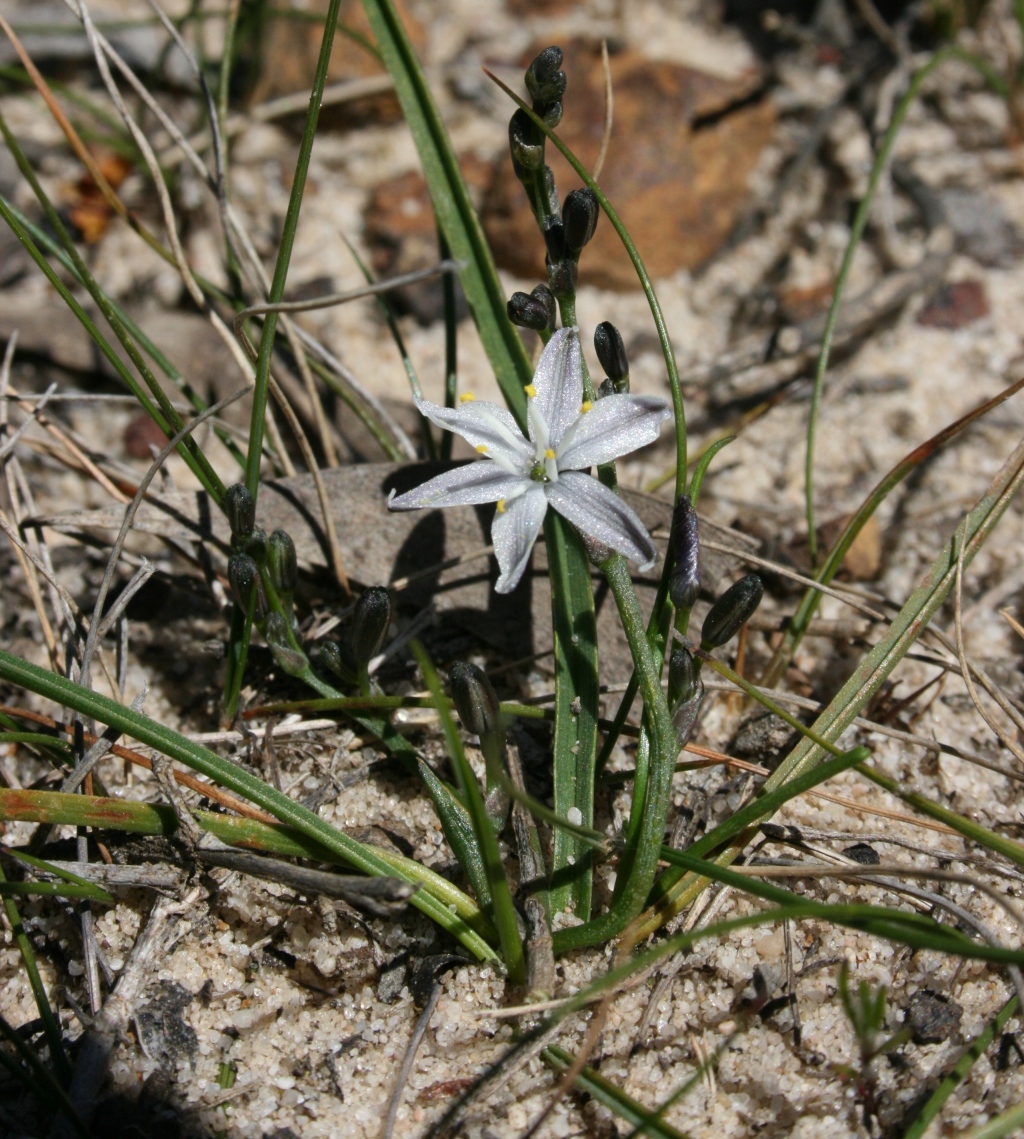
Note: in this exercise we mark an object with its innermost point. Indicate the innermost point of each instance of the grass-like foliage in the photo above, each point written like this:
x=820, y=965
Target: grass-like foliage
x=516, y=915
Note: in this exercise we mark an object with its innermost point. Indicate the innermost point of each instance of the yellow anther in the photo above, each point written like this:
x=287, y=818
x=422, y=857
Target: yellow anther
x=501, y=506
x=531, y=391
x=585, y=406
x=466, y=397
x=482, y=448
x=549, y=454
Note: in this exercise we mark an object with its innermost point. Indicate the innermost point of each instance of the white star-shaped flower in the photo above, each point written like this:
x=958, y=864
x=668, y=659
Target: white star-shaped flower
x=524, y=476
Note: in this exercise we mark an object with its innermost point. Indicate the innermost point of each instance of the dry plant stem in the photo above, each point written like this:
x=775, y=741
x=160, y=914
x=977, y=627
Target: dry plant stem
x=326, y=514
x=98, y=750
x=1011, y=745
x=162, y=930
x=177, y=253
x=208, y=790
x=320, y=419
x=609, y=112
x=129, y=517
x=409, y=1059
x=276, y=293
x=235, y=232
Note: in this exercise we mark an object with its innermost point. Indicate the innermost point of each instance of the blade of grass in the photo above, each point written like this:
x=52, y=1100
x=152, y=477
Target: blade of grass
x=166, y=418
x=503, y=908
x=1008, y=1122
x=961, y=1070
x=88, y=703
x=451, y=343
x=65, y=875
x=873, y=671
x=612, y=1097
x=284, y=253
x=833, y=562
x=982, y=835
x=860, y=221
x=453, y=208
x=38, y=1079
x=457, y=824
x=58, y=808
x=58, y=1057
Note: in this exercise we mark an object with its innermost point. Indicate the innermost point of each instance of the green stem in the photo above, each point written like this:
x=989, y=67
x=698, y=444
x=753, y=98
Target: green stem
x=654, y=809
x=856, y=232
x=574, y=743
x=284, y=254
x=58, y=1057
x=368, y=859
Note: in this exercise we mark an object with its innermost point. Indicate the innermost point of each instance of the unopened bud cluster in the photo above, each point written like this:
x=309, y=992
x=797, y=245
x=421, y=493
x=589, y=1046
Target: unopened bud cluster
x=566, y=228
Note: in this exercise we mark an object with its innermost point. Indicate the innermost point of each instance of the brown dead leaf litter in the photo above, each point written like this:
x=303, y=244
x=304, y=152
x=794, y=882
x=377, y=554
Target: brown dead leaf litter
x=739, y=151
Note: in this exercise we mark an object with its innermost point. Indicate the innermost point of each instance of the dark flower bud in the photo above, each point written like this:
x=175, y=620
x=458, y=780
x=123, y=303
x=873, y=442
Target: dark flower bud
x=370, y=623
x=256, y=545
x=281, y=563
x=731, y=611
x=551, y=114
x=241, y=511
x=554, y=241
x=551, y=191
x=542, y=294
x=526, y=141
x=334, y=657
x=686, y=693
x=684, y=584
x=683, y=677
x=606, y=388
x=286, y=658
x=544, y=79
x=244, y=579
x=612, y=354
x=579, y=216
x=475, y=699
x=527, y=312
x=562, y=279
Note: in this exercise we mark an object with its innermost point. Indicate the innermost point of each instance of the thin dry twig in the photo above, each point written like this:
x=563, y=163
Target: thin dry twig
x=965, y=669
x=609, y=112
x=415, y=1040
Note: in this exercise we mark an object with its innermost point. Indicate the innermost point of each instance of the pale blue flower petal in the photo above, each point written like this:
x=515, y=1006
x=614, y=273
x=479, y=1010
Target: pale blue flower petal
x=484, y=425
x=600, y=514
x=612, y=427
x=558, y=383
x=513, y=533
x=468, y=485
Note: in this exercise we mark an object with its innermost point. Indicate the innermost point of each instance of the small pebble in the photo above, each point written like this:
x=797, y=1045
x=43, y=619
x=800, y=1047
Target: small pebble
x=932, y=1018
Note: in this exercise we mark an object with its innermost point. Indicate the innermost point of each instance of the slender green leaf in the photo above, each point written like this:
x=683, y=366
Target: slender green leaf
x=453, y=208
x=368, y=859
x=614, y=1098
x=574, y=743
x=961, y=1070
x=503, y=909
x=875, y=668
